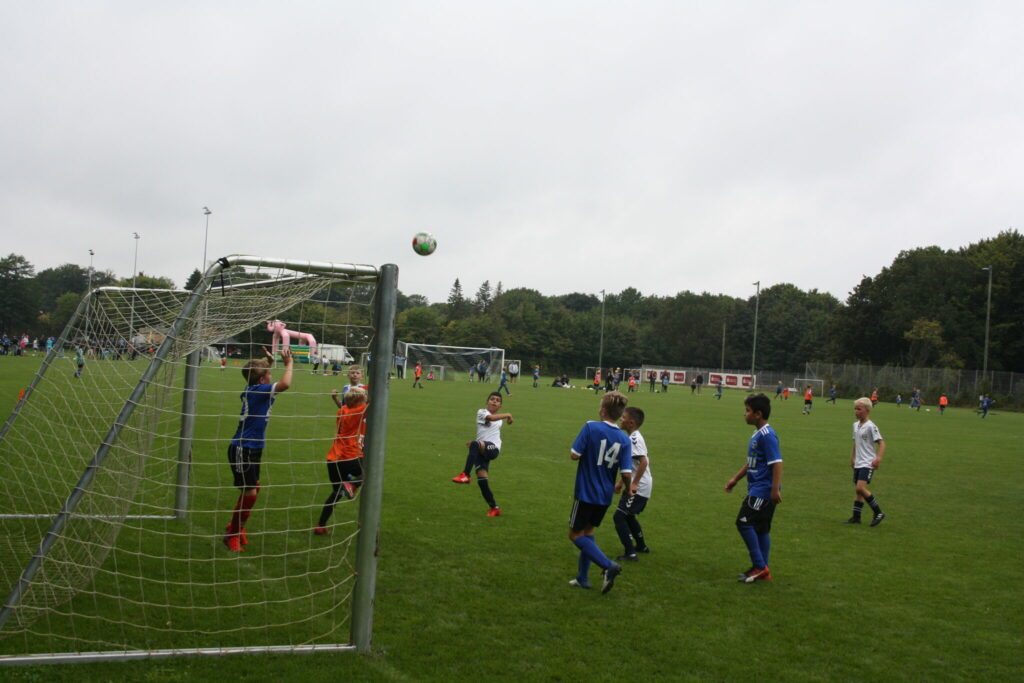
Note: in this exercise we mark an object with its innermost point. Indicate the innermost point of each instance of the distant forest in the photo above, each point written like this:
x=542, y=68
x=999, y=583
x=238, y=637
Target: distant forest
x=927, y=309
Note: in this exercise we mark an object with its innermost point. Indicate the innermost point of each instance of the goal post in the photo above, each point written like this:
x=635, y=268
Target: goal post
x=114, y=487
x=449, y=360
x=817, y=385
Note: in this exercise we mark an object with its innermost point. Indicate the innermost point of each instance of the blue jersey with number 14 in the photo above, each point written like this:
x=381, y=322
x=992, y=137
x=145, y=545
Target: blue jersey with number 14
x=604, y=451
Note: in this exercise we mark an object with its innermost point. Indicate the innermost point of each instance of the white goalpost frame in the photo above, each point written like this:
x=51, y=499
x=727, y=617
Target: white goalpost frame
x=817, y=385
x=384, y=305
x=495, y=355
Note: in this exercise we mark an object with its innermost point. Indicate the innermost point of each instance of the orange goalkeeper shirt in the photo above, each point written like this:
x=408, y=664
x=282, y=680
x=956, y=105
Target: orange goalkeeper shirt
x=351, y=427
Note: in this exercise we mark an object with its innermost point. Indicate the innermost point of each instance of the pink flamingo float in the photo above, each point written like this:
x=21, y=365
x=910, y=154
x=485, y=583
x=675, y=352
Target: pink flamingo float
x=283, y=337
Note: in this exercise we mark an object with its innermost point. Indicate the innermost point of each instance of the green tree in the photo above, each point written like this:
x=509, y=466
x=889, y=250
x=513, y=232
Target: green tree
x=19, y=300
x=193, y=280
x=421, y=325
x=54, y=282
x=458, y=306
x=143, y=281
x=482, y=301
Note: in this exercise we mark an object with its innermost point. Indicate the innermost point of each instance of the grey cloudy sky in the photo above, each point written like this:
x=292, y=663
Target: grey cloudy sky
x=563, y=146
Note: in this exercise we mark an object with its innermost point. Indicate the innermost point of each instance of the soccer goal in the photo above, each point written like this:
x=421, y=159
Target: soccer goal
x=448, y=361
x=115, y=487
x=817, y=385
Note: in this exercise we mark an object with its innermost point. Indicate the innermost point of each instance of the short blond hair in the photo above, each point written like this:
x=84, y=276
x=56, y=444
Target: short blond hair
x=354, y=396
x=863, y=401
x=613, y=403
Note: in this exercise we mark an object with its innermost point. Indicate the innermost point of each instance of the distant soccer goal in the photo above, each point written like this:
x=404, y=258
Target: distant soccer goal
x=448, y=361
x=817, y=385
x=115, y=487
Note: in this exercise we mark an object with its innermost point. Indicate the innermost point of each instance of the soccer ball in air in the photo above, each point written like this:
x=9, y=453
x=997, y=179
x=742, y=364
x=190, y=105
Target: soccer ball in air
x=424, y=243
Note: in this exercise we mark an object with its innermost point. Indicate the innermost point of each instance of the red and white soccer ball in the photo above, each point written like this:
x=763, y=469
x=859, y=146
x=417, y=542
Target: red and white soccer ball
x=424, y=243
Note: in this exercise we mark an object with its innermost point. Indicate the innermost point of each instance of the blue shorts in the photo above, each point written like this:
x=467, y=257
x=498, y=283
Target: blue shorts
x=484, y=457
x=863, y=474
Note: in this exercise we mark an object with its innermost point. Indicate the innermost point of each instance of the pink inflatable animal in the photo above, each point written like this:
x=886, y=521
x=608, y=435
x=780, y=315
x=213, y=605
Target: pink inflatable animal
x=283, y=337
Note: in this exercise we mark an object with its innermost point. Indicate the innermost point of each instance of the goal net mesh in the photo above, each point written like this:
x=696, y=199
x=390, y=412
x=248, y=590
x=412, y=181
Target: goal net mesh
x=454, y=361
x=129, y=569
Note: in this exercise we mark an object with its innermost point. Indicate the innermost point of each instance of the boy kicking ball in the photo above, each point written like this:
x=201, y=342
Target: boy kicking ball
x=485, y=449
x=865, y=458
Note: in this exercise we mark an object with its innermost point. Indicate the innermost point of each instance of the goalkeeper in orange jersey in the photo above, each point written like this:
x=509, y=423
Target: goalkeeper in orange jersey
x=345, y=459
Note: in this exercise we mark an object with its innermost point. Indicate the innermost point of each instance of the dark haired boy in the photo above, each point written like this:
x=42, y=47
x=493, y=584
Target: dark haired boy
x=763, y=471
x=637, y=493
x=485, y=449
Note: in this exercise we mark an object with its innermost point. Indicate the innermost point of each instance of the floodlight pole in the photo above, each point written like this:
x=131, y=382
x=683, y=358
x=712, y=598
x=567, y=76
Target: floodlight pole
x=721, y=364
x=753, y=352
x=988, y=318
x=88, y=287
x=135, y=272
x=600, y=348
x=206, y=235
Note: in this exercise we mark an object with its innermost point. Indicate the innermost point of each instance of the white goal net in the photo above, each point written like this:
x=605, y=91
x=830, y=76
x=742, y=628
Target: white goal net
x=115, y=487
x=453, y=362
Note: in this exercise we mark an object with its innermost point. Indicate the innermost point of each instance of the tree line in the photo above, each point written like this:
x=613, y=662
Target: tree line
x=928, y=308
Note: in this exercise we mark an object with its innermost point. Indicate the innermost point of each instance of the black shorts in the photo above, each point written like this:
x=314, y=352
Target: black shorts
x=345, y=470
x=586, y=515
x=632, y=505
x=756, y=512
x=245, y=465
x=863, y=474
x=484, y=457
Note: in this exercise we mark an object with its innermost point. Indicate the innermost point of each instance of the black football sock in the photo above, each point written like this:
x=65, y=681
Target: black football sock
x=485, y=489
x=874, y=504
x=858, y=507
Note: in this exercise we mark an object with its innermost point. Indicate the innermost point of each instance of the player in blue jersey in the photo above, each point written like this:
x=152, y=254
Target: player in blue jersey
x=246, y=449
x=601, y=450
x=832, y=395
x=763, y=471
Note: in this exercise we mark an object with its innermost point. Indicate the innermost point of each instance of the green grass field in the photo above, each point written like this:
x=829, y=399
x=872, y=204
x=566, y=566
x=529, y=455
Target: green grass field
x=932, y=593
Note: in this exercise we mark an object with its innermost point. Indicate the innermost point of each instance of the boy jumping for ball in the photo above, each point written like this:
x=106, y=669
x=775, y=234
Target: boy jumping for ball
x=865, y=458
x=345, y=459
x=763, y=471
x=485, y=449
x=246, y=448
x=637, y=493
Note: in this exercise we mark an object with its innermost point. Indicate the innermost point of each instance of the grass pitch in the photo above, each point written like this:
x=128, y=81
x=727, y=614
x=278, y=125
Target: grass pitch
x=931, y=593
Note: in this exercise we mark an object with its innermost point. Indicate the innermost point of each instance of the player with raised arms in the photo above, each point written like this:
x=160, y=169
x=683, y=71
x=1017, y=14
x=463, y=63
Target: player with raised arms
x=600, y=450
x=246, y=448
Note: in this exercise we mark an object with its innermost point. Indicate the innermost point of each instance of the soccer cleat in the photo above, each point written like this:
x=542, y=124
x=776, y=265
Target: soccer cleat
x=609, y=577
x=462, y=478
x=763, y=574
x=350, y=490
x=578, y=583
x=631, y=557
x=877, y=519
x=643, y=549
x=233, y=544
x=852, y=520
x=744, y=575
x=494, y=512
x=243, y=539
x=320, y=531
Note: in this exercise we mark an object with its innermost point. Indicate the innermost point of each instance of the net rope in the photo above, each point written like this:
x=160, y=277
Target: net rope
x=124, y=573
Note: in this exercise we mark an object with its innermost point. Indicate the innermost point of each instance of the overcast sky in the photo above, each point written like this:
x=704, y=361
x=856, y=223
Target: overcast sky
x=563, y=146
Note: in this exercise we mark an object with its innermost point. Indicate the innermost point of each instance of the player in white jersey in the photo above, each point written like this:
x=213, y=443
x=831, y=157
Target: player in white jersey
x=485, y=449
x=634, y=500
x=865, y=458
